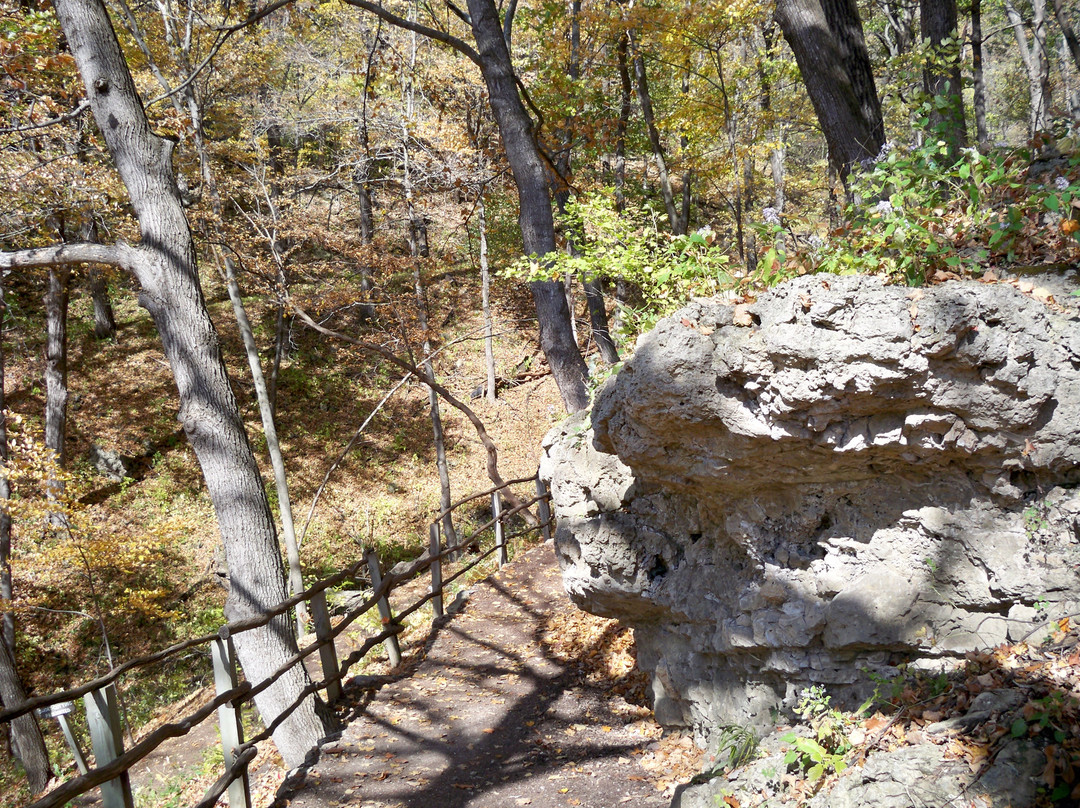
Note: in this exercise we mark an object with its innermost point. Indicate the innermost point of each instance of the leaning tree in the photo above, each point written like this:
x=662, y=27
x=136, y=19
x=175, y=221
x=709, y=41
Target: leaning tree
x=164, y=264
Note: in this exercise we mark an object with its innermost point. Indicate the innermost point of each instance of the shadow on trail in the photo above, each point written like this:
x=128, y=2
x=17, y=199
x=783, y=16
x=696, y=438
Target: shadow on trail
x=489, y=709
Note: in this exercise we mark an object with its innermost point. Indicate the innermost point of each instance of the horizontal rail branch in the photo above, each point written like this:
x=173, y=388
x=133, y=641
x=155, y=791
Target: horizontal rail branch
x=487, y=493
x=247, y=691
x=230, y=629
x=95, y=777
x=234, y=772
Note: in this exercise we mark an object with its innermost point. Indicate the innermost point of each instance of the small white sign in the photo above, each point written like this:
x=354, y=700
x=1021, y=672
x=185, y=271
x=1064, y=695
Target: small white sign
x=56, y=710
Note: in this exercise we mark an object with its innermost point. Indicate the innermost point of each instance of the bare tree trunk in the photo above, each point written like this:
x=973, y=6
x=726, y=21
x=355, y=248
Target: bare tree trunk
x=537, y=225
x=1037, y=66
x=104, y=320
x=26, y=737
x=626, y=91
x=7, y=630
x=418, y=246
x=1067, y=31
x=1069, y=90
x=56, y=390
x=978, y=79
x=165, y=266
x=273, y=447
x=485, y=288
x=678, y=227
x=826, y=37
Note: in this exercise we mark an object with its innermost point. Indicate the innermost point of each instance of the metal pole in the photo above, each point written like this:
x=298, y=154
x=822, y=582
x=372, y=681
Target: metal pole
x=393, y=650
x=543, y=508
x=107, y=739
x=500, y=533
x=320, y=616
x=232, y=729
x=434, y=549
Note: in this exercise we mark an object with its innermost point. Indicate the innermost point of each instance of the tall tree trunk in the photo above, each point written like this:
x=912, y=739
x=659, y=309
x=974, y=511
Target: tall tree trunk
x=826, y=37
x=941, y=75
x=536, y=221
x=7, y=630
x=1067, y=31
x=485, y=288
x=164, y=265
x=1068, y=75
x=678, y=227
x=56, y=390
x=594, y=296
x=104, y=320
x=626, y=92
x=26, y=738
x=1037, y=66
x=978, y=79
x=273, y=447
x=418, y=247
x=362, y=170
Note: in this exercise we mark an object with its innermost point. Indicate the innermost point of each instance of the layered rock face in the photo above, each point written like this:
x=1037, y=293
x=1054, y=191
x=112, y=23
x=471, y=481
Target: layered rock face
x=840, y=478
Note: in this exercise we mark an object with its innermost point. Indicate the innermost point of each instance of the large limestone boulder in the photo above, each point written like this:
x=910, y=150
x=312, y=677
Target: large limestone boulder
x=840, y=478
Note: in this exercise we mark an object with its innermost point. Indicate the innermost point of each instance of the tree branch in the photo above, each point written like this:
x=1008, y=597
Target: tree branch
x=460, y=45
x=461, y=15
x=67, y=116
x=446, y=395
x=118, y=255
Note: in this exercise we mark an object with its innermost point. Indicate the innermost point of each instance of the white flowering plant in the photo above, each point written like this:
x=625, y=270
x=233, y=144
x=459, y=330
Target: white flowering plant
x=916, y=212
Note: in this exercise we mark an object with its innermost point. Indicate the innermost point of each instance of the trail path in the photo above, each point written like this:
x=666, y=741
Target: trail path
x=495, y=716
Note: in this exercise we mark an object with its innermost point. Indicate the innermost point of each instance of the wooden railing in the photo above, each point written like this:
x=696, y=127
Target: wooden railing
x=112, y=762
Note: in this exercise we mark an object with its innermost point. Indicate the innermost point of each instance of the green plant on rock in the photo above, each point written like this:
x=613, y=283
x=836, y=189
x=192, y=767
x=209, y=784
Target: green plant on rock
x=735, y=747
x=914, y=211
x=824, y=753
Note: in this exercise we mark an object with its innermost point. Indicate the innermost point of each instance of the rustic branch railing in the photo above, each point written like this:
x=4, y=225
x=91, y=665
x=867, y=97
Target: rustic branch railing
x=112, y=762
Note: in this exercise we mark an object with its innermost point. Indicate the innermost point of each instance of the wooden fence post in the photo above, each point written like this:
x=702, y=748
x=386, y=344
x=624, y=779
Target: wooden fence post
x=320, y=616
x=543, y=508
x=393, y=650
x=434, y=549
x=500, y=533
x=106, y=737
x=232, y=730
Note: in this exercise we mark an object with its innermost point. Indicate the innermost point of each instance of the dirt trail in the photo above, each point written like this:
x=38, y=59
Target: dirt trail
x=492, y=718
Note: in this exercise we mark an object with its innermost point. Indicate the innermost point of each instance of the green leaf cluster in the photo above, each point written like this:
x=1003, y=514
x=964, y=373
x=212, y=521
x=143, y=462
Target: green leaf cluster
x=607, y=245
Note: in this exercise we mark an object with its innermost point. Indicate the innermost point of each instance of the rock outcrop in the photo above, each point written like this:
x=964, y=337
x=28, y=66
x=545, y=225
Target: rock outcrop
x=838, y=479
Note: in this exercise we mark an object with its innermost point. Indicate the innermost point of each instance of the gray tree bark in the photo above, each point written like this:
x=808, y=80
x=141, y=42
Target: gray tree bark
x=826, y=37
x=978, y=79
x=1036, y=63
x=164, y=265
x=678, y=227
x=26, y=738
x=56, y=390
x=485, y=292
x=530, y=176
